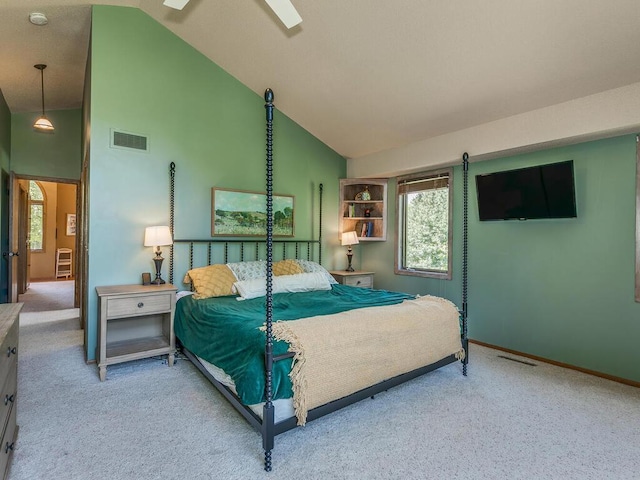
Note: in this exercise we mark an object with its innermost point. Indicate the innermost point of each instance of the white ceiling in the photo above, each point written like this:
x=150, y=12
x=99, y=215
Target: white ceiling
x=361, y=75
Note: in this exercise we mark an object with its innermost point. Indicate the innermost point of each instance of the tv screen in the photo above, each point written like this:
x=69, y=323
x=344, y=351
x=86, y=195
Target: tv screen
x=543, y=191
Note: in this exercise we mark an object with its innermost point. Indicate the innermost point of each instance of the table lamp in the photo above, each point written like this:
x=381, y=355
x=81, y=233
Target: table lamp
x=348, y=239
x=157, y=237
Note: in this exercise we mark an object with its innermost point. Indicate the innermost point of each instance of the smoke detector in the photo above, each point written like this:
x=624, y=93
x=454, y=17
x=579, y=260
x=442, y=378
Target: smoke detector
x=38, y=18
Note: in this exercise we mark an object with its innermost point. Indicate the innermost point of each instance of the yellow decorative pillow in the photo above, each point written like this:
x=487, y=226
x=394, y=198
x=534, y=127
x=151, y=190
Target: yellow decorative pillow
x=287, y=267
x=212, y=281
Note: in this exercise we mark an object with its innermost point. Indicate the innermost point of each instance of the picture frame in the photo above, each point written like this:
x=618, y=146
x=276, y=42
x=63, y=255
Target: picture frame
x=71, y=224
x=243, y=213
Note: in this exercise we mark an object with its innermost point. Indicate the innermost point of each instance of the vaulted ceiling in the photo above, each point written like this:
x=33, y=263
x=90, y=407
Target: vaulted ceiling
x=361, y=75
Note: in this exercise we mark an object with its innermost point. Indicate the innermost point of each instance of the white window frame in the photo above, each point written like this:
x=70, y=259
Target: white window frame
x=401, y=186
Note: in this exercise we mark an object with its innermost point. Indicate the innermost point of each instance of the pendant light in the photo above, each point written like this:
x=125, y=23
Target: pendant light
x=42, y=124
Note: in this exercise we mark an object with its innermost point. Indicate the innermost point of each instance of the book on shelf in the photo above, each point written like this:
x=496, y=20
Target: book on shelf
x=352, y=210
x=366, y=229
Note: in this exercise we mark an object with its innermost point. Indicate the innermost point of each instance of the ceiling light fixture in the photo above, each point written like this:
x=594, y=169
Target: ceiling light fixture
x=38, y=18
x=42, y=124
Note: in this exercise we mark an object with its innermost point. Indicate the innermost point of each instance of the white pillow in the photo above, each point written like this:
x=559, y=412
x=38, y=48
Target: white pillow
x=310, y=266
x=301, y=282
x=249, y=270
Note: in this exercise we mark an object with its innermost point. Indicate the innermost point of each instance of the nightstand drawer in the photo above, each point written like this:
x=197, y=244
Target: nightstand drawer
x=357, y=278
x=363, y=281
x=138, y=305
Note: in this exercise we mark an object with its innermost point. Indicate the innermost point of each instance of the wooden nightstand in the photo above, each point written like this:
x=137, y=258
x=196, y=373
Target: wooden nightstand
x=135, y=321
x=355, y=279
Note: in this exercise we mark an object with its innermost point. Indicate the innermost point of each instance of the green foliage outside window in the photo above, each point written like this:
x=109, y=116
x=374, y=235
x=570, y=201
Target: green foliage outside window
x=427, y=230
x=424, y=224
x=36, y=219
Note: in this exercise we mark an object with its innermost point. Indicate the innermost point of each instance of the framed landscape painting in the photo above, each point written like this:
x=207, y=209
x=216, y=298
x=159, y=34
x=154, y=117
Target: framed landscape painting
x=238, y=213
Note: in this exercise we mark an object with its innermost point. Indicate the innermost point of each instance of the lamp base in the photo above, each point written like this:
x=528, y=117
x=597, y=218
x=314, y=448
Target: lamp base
x=349, y=257
x=158, y=280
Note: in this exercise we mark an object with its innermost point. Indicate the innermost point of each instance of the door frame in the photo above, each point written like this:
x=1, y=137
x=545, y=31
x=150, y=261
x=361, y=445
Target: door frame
x=14, y=221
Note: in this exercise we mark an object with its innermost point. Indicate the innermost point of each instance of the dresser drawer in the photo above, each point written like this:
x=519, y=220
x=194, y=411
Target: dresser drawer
x=363, y=281
x=138, y=305
x=8, y=394
x=9, y=351
x=8, y=441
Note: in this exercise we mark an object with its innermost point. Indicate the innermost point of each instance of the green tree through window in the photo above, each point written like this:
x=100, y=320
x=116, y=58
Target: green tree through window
x=36, y=218
x=424, y=224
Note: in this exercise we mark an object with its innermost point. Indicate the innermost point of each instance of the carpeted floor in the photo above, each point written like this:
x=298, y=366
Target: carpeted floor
x=46, y=296
x=506, y=420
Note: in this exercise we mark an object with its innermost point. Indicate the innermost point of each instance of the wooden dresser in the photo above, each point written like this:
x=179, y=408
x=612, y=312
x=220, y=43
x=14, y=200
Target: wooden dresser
x=9, y=315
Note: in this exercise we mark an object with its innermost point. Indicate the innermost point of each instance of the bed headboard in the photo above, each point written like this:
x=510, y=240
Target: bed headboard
x=202, y=252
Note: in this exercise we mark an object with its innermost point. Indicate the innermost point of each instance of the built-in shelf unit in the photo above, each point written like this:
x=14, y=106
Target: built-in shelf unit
x=363, y=208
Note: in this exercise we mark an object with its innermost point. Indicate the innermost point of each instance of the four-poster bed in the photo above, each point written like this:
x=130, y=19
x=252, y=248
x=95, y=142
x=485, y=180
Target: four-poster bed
x=282, y=355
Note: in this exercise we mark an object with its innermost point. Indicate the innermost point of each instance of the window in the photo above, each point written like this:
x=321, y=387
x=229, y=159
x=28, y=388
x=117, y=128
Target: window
x=36, y=218
x=424, y=206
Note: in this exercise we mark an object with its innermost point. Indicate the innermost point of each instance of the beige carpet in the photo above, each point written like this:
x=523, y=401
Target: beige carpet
x=506, y=420
x=46, y=296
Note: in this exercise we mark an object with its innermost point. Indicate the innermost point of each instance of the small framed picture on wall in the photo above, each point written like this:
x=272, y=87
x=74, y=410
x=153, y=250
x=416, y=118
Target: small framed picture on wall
x=71, y=224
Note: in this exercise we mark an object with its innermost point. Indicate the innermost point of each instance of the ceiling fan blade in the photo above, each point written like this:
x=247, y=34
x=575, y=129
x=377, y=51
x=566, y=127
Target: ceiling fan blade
x=285, y=11
x=177, y=4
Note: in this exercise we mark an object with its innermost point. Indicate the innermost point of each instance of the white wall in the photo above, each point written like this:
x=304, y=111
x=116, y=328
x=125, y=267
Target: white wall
x=606, y=114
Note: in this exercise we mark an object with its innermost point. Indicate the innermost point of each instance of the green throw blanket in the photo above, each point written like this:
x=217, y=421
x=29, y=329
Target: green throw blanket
x=226, y=332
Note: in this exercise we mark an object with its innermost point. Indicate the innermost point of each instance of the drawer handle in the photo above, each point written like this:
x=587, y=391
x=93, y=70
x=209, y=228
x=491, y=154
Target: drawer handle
x=9, y=446
x=11, y=350
x=8, y=398
x=140, y=304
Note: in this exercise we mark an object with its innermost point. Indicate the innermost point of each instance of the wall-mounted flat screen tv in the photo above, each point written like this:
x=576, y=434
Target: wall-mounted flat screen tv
x=543, y=191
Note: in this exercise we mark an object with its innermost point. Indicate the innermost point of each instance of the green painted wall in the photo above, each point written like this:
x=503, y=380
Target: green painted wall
x=559, y=289
x=147, y=81
x=54, y=155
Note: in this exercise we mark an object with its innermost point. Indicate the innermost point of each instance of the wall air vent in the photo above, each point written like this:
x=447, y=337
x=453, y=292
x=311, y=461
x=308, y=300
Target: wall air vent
x=120, y=139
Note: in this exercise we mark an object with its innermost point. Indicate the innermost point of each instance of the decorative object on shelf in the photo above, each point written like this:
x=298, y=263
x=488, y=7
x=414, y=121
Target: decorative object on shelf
x=364, y=195
x=158, y=236
x=367, y=212
x=348, y=239
x=42, y=123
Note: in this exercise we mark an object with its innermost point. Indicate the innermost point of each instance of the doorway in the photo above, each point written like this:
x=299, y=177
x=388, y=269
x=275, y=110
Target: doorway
x=47, y=246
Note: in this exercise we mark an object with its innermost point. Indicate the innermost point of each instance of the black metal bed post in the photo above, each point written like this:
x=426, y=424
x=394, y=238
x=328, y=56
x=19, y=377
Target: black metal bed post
x=172, y=211
x=320, y=227
x=465, y=259
x=268, y=410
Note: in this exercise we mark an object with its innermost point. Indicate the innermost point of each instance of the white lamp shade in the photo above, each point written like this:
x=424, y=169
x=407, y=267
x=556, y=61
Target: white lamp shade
x=349, y=238
x=43, y=123
x=177, y=4
x=157, y=236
